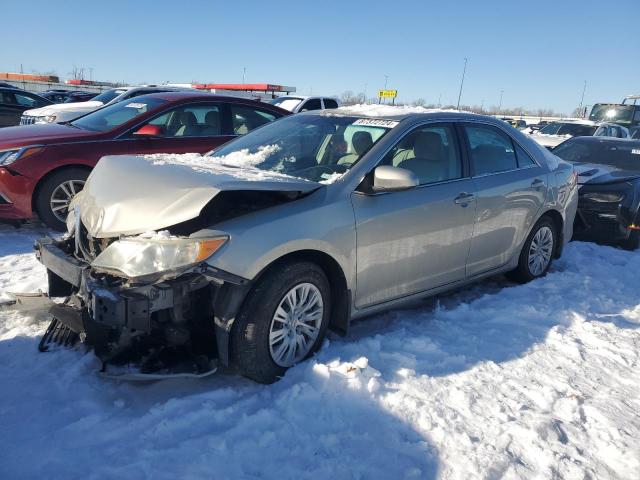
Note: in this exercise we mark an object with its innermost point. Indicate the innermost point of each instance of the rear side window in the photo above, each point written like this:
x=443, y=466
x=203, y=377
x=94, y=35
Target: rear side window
x=491, y=150
x=247, y=118
x=330, y=103
x=524, y=160
x=311, y=104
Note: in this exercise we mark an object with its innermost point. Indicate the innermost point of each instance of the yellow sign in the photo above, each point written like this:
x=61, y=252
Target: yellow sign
x=387, y=93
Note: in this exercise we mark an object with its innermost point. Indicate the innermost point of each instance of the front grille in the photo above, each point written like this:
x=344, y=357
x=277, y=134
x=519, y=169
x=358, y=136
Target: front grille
x=27, y=120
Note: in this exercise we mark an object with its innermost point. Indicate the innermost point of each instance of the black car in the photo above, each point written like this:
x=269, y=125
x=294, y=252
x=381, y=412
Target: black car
x=14, y=101
x=67, y=96
x=8, y=85
x=609, y=195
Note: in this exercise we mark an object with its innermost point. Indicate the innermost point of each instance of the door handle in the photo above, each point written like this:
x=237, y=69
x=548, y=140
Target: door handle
x=463, y=199
x=537, y=184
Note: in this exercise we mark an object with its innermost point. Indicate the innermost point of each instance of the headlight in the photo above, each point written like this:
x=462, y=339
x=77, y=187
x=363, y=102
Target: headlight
x=138, y=257
x=7, y=157
x=47, y=119
x=602, y=197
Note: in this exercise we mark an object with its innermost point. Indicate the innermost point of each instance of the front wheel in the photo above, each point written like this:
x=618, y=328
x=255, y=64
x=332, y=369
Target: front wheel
x=282, y=322
x=537, y=252
x=54, y=195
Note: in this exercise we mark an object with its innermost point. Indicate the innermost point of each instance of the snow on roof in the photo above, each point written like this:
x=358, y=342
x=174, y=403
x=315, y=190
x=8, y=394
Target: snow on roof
x=376, y=110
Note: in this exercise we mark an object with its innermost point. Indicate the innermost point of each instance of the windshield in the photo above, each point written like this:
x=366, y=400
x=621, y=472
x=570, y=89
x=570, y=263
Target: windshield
x=106, y=97
x=602, y=112
x=117, y=114
x=625, y=156
x=288, y=103
x=317, y=148
x=550, y=128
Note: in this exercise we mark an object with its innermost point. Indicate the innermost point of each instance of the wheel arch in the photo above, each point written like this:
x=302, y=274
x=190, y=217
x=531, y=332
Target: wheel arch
x=340, y=293
x=558, y=221
x=49, y=174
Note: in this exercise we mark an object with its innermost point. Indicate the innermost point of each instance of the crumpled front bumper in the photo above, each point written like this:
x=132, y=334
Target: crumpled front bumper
x=106, y=312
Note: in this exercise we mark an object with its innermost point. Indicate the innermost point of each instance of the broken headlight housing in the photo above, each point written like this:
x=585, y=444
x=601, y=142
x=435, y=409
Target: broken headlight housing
x=140, y=257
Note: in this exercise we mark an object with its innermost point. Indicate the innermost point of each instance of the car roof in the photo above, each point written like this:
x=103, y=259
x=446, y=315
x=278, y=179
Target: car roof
x=400, y=115
x=187, y=95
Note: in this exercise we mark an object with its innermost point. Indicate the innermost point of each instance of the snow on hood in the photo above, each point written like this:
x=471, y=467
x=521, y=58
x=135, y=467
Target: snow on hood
x=129, y=195
x=64, y=107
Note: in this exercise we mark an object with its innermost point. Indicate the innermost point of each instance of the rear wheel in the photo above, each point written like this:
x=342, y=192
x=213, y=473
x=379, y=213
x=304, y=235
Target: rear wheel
x=537, y=252
x=55, y=193
x=282, y=322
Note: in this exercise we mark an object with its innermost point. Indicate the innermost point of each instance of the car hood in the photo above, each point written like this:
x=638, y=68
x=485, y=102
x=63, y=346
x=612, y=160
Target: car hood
x=596, y=174
x=79, y=107
x=129, y=195
x=549, y=140
x=43, y=134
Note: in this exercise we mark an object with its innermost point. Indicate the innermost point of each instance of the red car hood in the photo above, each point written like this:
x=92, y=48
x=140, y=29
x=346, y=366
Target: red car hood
x=20, y=136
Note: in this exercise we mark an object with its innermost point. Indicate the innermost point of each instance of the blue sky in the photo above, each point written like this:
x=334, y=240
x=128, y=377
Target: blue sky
x=539, y=52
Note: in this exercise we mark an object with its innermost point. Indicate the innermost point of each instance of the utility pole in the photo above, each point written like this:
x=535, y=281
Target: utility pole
x=365, y=93
x=500, y=105
x=464, y=70
x=482, y=106
x=90, y=74
x=244, y=71
x=584, y=89
x=386, y=78
x=439, y=100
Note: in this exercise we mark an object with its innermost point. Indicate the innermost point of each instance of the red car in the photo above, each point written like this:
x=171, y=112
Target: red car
x=43, y=166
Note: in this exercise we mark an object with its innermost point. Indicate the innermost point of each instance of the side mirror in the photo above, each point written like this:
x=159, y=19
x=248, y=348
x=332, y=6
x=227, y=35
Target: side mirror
x=148, y=131
x=388, y=178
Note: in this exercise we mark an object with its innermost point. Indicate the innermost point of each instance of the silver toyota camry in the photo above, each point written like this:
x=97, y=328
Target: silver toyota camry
x=247, y=255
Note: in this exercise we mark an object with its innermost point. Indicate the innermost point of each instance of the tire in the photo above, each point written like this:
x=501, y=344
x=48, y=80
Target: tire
x=527, y=271
x=59, y=185
x=633, y=242
x=252, y=350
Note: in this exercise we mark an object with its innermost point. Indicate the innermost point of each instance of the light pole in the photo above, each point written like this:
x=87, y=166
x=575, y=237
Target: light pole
x=464, y=70
x=500, y=105
x=244, y=70
x=365, y=93
x=584, y=89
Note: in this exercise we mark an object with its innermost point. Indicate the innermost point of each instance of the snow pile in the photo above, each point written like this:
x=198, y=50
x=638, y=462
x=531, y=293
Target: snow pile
x=491, y=381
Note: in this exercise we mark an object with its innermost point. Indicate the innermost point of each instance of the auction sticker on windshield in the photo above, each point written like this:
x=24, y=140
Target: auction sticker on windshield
x=136, y=105
x=376, y=122
x=635, y=151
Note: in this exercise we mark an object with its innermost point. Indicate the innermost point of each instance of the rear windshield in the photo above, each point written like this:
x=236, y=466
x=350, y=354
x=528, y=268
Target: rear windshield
x=618, y=155
x=113, y=116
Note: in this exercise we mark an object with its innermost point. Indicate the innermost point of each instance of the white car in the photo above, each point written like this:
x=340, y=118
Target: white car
x=65, y=112
x=554, y=133
x=299, y=103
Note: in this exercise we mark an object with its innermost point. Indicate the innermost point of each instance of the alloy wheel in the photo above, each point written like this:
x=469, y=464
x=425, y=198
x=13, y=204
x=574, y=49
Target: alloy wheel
x=540, y=251
x=61, y=197
x=295, y=324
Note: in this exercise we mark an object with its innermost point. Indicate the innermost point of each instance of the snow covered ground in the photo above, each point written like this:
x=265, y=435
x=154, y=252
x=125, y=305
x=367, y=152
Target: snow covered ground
x=493, y=381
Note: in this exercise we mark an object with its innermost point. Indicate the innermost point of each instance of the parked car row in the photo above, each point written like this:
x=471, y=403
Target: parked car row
x=288, y=225
x=67, y=96
x=554, y=133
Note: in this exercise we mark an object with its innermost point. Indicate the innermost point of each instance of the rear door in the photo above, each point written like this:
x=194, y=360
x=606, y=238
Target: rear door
x=418, y=239
x=511, y=189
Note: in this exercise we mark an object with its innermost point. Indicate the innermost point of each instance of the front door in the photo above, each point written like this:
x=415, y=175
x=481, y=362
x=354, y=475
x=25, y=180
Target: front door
x=418, y=239
x=511, y=190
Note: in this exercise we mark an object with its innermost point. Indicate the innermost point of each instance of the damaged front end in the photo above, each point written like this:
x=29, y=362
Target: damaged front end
x=175, y=319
